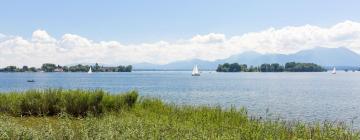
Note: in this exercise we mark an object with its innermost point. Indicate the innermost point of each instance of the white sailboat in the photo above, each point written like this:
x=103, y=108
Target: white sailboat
x=90, y=71
x=195, y=71
x=333, y=71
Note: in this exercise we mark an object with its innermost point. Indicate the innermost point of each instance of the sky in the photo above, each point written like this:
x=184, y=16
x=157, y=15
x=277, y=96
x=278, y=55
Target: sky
x=164, y=31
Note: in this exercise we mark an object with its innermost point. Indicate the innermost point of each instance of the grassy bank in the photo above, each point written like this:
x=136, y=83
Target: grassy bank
x=145, y=119
x=51, y=102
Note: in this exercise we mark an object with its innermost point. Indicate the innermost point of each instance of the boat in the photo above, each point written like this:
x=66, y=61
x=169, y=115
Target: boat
x=30, y=80
x=333, y=71
x=195, y=71
x=90, y=71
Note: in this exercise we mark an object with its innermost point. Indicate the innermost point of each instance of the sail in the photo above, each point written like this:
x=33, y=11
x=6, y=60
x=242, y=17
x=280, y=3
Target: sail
x=90, y=71
x=195, y=70
x=333, y=71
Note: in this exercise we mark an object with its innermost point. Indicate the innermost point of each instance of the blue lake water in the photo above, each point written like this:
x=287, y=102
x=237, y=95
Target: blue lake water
x=293, y=96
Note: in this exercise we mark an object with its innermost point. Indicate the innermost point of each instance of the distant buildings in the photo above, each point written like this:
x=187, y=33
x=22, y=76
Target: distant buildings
x=58, y=70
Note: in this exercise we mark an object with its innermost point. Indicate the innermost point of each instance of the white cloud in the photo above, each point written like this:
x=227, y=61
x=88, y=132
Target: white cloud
x=70, y=48
x=210, y=38
x=2, y=36
x=42, y=36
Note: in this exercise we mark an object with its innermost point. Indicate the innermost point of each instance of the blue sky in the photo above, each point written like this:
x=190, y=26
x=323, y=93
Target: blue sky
x=112, y=32
x=136, y=21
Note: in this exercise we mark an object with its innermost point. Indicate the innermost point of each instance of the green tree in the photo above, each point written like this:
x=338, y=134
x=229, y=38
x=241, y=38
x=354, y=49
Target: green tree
x=243, y=68
x=25, y=68
x=96, y=67
x=265, y=67
x=303, y=67
x=235, y=67
x=252, y=69
x=10, y=69
x=65, y=68
x=32, y=69
x=48, y=67
x=128, y=68
x=275, y=67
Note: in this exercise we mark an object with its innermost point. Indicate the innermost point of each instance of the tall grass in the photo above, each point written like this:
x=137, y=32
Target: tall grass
x=50, y=102
x=147, y=119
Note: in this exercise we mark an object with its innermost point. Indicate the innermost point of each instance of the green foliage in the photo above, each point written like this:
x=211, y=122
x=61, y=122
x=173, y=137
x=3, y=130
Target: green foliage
x=16, y=69
x=119, y=101
x=65, y=68
x=48, y=67
x=10, y=69
x=153, y=119
x=96, y=67
x=25, y=68
x=79, y=68
x=124, y=68
x=235, y=67
x=52, y=102
x=275, y=67
x=303, y=67
x=32, y=69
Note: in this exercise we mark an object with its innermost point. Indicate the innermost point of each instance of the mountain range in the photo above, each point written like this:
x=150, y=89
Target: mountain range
x=323, y=56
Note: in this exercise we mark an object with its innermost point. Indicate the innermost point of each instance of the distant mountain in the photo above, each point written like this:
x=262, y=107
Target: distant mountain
x=329, y=57
x=179, y=65
x=322, y=56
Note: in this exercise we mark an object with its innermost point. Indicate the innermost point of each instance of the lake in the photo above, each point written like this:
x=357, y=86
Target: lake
x=292, y=96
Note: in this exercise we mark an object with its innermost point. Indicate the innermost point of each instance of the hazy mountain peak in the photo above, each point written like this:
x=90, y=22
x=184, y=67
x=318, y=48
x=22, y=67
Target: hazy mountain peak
x=340, y=56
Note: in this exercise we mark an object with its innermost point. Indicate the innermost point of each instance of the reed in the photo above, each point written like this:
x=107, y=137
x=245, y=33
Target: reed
x=123, y=116
x=50, y=102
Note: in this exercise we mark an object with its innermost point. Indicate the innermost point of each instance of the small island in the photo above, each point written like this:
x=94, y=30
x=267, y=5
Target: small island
x=275, y=67
x=49, y=67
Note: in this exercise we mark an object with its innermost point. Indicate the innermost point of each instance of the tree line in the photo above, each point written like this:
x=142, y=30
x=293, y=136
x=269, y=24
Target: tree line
x=274, y=67
x=49, y=67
